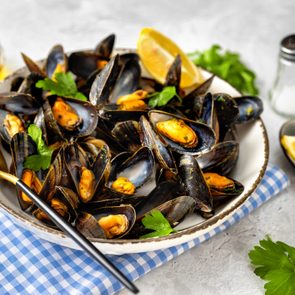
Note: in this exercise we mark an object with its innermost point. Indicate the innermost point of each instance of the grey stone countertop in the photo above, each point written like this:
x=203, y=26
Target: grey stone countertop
x=254, y=29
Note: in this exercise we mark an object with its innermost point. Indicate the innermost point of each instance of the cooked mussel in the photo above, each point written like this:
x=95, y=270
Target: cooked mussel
x=67, y=117
x=182, y=135
x=64, y=201
x=56, y=62
x=107, y=222
x=195, y=183
x=85, y=63
x=115, y=81
x=86, y=177
x=10, y=125
x=222, y=187
x=150, y=139
x=227, y=112
x=21, y=147
x=129, y=174
x=250, y=108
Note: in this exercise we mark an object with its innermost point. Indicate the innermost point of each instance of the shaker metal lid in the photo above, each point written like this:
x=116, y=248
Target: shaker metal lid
x=288, y=45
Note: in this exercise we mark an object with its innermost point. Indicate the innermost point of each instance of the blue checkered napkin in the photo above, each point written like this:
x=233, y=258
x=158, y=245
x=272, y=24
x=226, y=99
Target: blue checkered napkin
x=32, y=266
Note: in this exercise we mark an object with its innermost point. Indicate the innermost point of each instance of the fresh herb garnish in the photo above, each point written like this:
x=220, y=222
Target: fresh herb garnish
x=275, y=263
x=159, y=99
x=43, y=159
x=156, y=221
x=63, y=85
x=228, y=66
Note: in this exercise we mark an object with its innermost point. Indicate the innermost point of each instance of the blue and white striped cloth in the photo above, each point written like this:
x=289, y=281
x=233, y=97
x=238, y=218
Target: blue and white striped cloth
x=29, y=265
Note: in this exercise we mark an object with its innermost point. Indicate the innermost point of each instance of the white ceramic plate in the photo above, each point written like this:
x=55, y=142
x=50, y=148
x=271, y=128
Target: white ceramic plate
x=249, y=171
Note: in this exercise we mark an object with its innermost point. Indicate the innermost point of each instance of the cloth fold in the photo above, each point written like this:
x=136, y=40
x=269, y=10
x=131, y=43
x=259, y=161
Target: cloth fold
x=29, y=265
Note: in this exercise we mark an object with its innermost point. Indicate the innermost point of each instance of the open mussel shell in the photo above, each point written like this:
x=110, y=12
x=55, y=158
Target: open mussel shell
x=76, y=160
x=204, y=134
x=53, y=177
x=195, y=183
x=64, y=201
x=139, y=169
x=221, y=159
x=32, y=66
x=28, y=86
x=19, y=103
x=209, y=114
x=287, y=140
x=105, y=47
x=127, y=133
x=21, y=147
x=150, y=139
x=250, y=108
x=10, y=124
x=104, y=82
x=174, y=211
x=227, y=112
x=163, y=192
x=85, y=112
x=222, y=187
x=90, y=224
x=56, y=61
x=193, y=102
x=200, y=90
x=127, y=81
x=174, y=73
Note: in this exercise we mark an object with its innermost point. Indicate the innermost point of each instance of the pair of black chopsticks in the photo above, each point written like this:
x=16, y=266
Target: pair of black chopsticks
x=72, y=232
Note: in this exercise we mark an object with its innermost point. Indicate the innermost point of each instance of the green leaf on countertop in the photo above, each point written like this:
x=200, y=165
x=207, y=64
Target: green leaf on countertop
x=62, y=85
x=159, y=99
x=227, y=65
x=275, y=263
x=43, y=159
x=157, y=222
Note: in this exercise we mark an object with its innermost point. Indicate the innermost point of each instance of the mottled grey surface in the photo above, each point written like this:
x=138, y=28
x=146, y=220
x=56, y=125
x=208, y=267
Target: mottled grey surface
x=221, y=265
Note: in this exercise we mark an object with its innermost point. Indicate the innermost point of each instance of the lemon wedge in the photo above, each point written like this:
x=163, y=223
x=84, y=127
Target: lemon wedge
x=4, y=72
x=157, y=53
x=288, y=142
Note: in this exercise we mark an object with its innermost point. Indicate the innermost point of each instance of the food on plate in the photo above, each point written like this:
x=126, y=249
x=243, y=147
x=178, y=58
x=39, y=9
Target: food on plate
x=113, y=151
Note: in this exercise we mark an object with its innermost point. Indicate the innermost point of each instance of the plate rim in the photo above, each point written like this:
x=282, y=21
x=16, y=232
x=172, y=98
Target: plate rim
x=174, y=236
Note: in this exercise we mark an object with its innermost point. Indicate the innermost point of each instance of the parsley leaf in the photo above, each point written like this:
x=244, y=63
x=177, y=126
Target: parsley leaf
x=62, y=85
x=275, y=263
x=43, y=159
x=228, y=66
x=156, y=221
x=162, y=98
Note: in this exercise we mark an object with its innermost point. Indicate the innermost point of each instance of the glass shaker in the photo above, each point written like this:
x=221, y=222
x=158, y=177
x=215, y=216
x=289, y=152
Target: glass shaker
x=282, y=95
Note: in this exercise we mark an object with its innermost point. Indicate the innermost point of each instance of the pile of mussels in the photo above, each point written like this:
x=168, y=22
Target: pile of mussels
x=115, y=158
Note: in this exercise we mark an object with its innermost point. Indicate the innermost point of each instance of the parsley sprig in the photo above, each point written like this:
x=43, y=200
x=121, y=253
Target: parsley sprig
x=275, y=263
x=157, y=222
x=159, y=99
x=62, y=85
x=41, y=160
x=228, y=66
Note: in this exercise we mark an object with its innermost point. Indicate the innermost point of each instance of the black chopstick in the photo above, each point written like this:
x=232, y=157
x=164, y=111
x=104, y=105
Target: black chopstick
x=76, y=236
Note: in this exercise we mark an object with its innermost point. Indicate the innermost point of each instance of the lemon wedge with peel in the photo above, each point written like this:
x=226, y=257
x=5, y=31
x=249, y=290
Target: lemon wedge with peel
x=288, y=142
x=157, y=53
